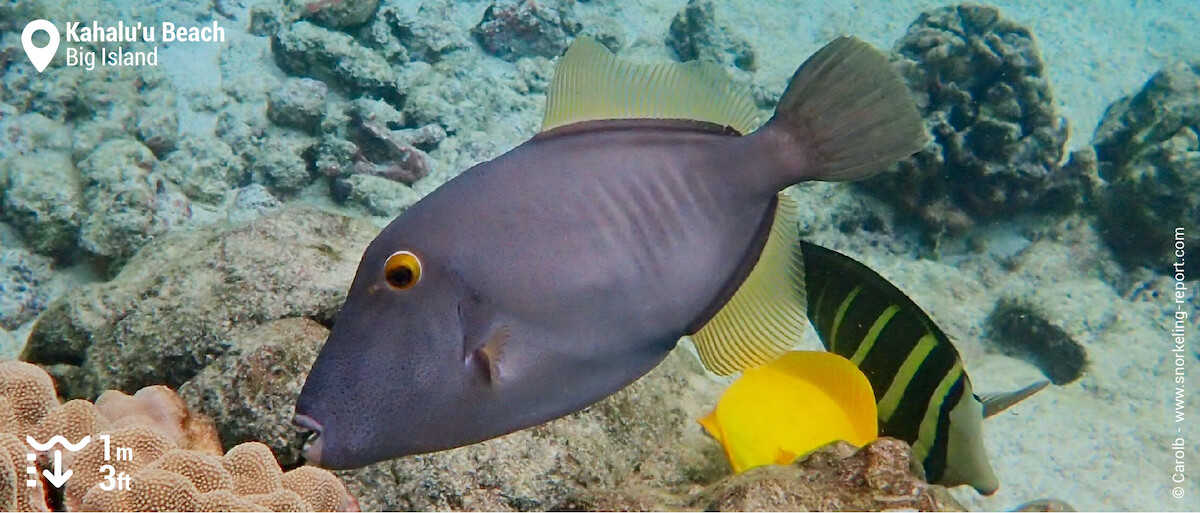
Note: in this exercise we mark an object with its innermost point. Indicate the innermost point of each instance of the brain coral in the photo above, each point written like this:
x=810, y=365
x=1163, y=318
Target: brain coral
x=174, y=462
x=29, y=392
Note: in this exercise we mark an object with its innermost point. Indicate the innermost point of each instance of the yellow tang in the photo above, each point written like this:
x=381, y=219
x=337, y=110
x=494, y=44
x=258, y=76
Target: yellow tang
x=787, y=408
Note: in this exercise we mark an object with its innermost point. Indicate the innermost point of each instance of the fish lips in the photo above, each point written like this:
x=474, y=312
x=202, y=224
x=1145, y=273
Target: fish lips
x=315, y=443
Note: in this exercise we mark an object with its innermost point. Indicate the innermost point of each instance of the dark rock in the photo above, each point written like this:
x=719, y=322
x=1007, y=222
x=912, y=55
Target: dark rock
x=280, y=164
x=875, y=478
x=427, y=35
x=879, y=477
x=306, y=50
x=1148, y=151
x=23, y=279
x=339, y=14
x=158, y=128
x=378, y=195
x=981, y=85
x=42, y=198
x=205, y=168
x=512, y=29
x=182, y=300
x=250, y=391
x=128, y=200
x=646, y=431
x=1025, y=331
x=369, y=139
x=299, y=104
x=695, y=35
x=265, y=20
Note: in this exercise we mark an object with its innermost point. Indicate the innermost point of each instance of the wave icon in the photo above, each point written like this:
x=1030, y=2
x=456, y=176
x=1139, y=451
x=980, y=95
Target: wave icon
x=59, y=440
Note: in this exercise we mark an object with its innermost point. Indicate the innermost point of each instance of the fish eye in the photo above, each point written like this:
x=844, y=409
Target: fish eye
x=402, y=270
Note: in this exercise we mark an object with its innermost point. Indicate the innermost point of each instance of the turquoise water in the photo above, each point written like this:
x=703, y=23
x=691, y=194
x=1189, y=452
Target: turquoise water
x=148, y=231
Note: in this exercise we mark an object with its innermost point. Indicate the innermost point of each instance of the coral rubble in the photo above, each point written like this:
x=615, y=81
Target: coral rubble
x=196, y=290
x=511, y=29
x=695, y=35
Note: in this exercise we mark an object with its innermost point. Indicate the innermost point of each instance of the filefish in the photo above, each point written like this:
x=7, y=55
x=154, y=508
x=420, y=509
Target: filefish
x=924, y=396
x=540, y=282
x=802, y=401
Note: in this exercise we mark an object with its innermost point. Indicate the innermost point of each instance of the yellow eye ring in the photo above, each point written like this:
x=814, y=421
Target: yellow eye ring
x=402, y=270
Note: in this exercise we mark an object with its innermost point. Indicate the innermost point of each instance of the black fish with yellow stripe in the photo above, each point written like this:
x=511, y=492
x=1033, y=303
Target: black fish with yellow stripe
x=924, y=396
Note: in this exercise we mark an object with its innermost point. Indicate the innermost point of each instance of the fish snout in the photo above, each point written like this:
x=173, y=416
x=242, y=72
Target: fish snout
x=312, y=446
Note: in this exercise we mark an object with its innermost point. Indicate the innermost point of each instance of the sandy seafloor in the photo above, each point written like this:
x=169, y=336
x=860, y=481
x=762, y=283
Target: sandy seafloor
x=1099, y=443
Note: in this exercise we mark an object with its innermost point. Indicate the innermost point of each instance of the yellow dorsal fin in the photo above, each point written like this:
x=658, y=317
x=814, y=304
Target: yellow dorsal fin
x=767, y=315
x=843, y=383
x=591, y=83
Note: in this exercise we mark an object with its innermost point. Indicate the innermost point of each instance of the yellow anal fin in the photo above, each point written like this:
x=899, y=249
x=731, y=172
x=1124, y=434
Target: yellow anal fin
x=767, y=315
x=591, y=83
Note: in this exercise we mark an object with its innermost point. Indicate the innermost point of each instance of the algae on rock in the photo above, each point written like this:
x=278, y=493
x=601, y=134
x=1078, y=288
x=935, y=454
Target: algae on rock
x=1148, y=150
x=998, y=139
x=180, y=302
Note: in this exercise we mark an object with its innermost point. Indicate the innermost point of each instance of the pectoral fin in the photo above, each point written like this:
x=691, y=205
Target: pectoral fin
x=490, y=356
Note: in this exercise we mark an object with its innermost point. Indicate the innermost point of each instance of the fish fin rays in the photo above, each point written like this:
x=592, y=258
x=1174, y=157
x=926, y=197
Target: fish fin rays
x=491, y=355
x=850, y=108
x=767, y=315
x=591, y=83
x=998, y=402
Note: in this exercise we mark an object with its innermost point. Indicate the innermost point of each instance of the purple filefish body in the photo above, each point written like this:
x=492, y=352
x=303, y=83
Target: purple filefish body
x=538, y=283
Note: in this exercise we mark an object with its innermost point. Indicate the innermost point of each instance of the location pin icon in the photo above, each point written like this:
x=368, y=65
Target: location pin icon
x=40, y=57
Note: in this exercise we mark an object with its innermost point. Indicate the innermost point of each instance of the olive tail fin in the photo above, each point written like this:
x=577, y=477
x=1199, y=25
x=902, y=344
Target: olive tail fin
x=846, y=115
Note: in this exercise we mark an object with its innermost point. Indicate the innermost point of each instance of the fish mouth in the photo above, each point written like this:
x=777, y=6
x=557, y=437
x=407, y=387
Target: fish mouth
x=314, y=444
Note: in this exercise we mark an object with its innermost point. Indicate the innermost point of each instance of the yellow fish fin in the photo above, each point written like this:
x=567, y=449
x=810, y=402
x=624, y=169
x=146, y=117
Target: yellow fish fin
x=710, y=425
x=793, y=406
x=785, y=457
x=591, y=83
x=845, y=386
x=767, y=314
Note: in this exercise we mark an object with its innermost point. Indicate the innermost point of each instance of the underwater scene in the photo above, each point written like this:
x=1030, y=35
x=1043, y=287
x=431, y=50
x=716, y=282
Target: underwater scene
x=599, y=255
